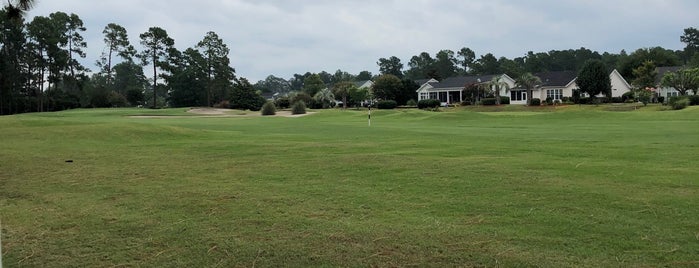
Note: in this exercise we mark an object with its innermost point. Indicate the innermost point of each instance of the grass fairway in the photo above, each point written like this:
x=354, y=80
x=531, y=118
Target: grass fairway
x=574, y=186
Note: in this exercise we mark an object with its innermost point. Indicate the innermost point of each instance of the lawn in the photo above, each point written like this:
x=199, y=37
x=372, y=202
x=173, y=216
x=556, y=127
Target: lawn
x=556, y=187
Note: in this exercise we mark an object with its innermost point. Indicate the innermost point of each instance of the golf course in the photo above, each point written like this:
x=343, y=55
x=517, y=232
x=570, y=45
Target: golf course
x=505, y=186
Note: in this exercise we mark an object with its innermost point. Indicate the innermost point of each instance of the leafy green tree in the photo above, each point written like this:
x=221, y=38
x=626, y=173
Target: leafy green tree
x=593, y=79
x=342, y=76
x=387, y=87
x=117, y=41
x=682, y=80
x=342, y=90
x=130, y=81
x=325, y=97
x=156, y=45
x=487, y=64
x=273, y=84
x=496, y=85
x=364, y=76
x=244, y=96
x=645, y=75
x=691, y=39
x=219, y=74
x=446, y=63
x=510, y=67
x=467, y=57
x=14, y=88
x=313, y=84
x=189, y=80
x=659, y=56
x=407, y=92
x=391, y=66
x=358, y=95
x=529, y=81
x=422, y=66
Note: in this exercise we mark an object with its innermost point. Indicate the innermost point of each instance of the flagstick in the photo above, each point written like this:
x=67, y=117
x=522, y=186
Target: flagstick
x=0, y=244
x=369, y=120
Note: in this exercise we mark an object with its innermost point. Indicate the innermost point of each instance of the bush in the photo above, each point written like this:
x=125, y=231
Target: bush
x=301, y=96
x=584, y=101
x=536, y=102
x=504, y=100
x=387, y=104
x=411, y=103
x=269, y=108
x=223, y=104
x=679, y=104
x=466, y=103
x=430, y=103
x=661, y=99
x=557, y=102
x=549, y=100
x=299, y=107
x=283, y=102
x=618, y=100
x=694, y=100
x=627, y=96
x=488, y=101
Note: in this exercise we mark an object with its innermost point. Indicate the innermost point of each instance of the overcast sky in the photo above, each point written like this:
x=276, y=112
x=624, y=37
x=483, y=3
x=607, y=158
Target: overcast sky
x=283, y=37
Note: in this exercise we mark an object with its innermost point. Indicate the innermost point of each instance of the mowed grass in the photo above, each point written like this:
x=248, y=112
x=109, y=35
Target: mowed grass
x=574, y=186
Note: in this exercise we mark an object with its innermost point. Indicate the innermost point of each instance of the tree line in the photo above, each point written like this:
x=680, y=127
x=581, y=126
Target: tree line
x=40, y=68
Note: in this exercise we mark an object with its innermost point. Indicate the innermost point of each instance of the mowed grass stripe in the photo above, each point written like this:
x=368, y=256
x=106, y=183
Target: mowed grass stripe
x=577, y=186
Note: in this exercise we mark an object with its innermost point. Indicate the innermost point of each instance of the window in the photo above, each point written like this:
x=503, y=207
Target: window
x=434, y=95
x=518, y=95
x=424, y=96
x=554, y=94
x=671, y=94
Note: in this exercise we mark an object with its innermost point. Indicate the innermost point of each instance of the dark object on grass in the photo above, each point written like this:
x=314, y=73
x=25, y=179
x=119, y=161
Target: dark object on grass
x=69, y=161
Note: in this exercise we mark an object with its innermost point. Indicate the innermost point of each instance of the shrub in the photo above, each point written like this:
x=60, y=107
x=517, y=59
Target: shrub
x=488, y=101
x=661, y=99
x=549, y=100
x=223, y=104
x=536, y=102
x=627, y=96
x=618, y=100
x=694, y=100
x=298, y=107
x=411, y=103
x=557, y=102
x=269, y=108
x=680, y=103
x=584, y=101
x=283, y=102
x=504, y=100
x=387, y=104
x=429, y=103
x=301, y=96
x=466, y=103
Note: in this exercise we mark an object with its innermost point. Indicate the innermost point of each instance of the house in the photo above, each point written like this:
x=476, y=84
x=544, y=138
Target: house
x=451, y=90
x=667, y=92
x=557, y=85
x=364, y=84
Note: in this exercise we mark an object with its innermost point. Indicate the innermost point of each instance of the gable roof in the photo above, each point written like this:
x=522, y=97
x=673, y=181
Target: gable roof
x=663, y=70
x=556, y=79
x=462, y=81
x=361, y=83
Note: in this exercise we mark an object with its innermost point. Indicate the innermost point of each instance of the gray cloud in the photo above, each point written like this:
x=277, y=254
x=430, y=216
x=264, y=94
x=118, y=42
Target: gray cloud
x=286, y=37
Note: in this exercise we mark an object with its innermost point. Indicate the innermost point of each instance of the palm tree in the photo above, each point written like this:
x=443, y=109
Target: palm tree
x=529, y=82
x=496, y=84
x=17, y=8
x=324, y=96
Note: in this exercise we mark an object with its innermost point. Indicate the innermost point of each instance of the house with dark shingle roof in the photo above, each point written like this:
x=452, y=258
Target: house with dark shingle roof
x=667, y=92
x=554, y=85
x=450, y=90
